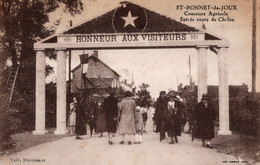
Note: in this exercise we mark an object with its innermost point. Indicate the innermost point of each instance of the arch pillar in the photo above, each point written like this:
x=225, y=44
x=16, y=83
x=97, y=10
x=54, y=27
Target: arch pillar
x=61, y=92
x=40, y=94
x=223, y=92
x=202, y=72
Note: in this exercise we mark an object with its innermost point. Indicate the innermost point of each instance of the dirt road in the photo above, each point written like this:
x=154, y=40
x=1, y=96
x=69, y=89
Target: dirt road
x=97, y=151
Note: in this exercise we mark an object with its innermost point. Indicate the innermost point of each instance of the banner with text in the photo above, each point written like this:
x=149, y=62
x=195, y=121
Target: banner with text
x=130, y=37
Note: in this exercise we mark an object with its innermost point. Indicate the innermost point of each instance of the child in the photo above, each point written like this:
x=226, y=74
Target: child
x=138, y=125
x=145, y=117
x=152, y=110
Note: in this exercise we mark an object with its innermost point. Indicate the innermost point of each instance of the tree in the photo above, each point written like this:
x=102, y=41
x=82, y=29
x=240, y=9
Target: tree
x=254, y=48
x=144, y=86
x=144, y=94
x=22, y=23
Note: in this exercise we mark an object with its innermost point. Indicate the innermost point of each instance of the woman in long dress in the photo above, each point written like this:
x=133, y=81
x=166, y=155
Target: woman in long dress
x=72, y=116
x=127, y=112
x=80, y=120
x=111, y=113
x=205, y=116
x=152, y=112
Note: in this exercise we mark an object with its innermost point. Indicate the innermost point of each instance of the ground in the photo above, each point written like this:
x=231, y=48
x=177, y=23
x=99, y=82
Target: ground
x=22, y=142
x=245, y=147
x=97, y=151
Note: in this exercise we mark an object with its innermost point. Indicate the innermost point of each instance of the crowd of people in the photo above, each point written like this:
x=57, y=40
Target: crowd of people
x=127, y=115
x=110, y=114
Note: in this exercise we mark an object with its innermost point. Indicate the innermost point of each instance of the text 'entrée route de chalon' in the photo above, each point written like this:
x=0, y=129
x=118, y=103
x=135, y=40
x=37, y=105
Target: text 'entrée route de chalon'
x=206, y=13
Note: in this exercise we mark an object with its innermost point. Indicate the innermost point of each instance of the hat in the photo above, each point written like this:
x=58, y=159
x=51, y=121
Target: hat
x=135, y=97
x=138, y=108
x=128, y=94
x=119, y=96
x=179, y=98
x=204, y=97
x=163, y=93
x=100, y=98
x=106, y=95
x=95, y=95
x=112, y=92
x=171, y=95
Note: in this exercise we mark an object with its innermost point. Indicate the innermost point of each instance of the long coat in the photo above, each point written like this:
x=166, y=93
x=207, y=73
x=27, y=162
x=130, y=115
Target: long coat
x=205, y=121
x=111, y=112
x=127, y=111
x=80, y=128
x=100, y=120
x=161, y=106
x=177, y=118
x=172, y=117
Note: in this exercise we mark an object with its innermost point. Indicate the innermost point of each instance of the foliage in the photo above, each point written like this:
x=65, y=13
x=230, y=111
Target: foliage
x=144, y=95
x=243, y=107
x=9, y=122
x=22, y=23
x=144, y=86
x=243, y=114
x=51, y=104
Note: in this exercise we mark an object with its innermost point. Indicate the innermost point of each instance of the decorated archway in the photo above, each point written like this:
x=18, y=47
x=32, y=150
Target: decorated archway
x=129, y=26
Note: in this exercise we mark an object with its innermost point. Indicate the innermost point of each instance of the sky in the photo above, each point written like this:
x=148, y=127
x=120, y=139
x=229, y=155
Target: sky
x=163, y=68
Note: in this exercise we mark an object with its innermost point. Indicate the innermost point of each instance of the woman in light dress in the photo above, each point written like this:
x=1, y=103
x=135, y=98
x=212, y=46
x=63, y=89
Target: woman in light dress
x=72, y=116
x=126, y=115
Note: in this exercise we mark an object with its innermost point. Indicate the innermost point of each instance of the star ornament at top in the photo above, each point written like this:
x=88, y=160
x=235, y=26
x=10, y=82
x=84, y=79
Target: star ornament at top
x=129, y=19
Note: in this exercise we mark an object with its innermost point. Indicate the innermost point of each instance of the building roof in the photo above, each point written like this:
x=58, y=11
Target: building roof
x=126, y=86
x=101, y=82
x=96, y=58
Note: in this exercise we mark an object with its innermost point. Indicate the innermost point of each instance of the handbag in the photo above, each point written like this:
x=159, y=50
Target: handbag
x=186, y=127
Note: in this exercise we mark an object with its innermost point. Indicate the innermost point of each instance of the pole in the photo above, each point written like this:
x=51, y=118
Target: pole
x=81, y=83
x=69, y=74
x=81, y=65
x=189, y=66
x=69, y=69
x=190, y=77
x=177, y=84
x=132, y=77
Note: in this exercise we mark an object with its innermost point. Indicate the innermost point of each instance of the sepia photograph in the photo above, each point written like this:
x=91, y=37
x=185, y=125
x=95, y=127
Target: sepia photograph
x=137, y=82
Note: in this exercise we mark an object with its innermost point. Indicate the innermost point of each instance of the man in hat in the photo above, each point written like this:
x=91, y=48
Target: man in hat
x=90, y=112
x=204, y=118
x=161, y=107
x=99, y=117
x=172, y=119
